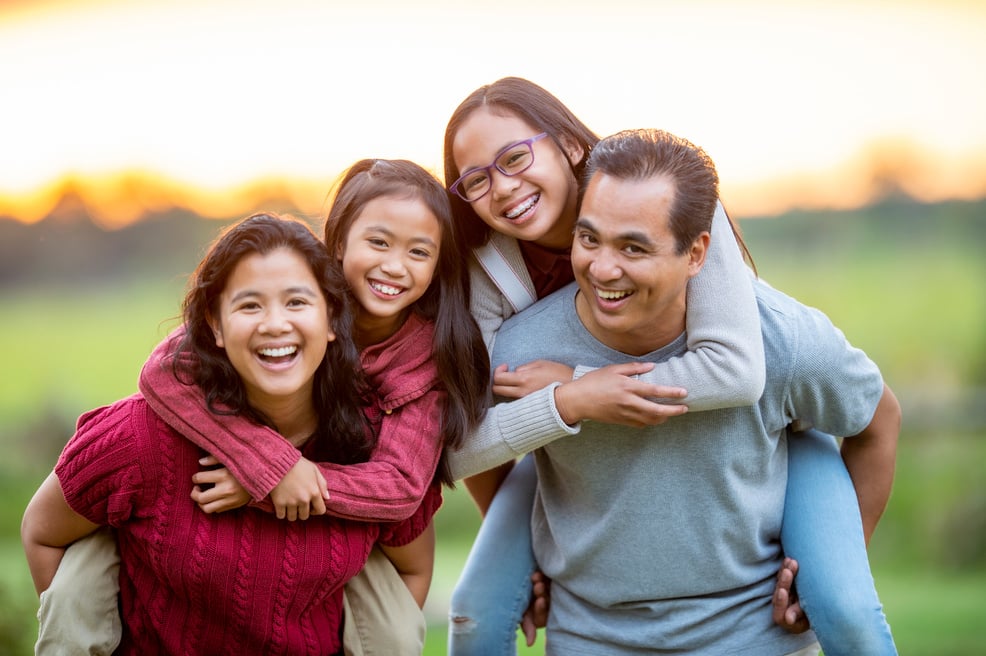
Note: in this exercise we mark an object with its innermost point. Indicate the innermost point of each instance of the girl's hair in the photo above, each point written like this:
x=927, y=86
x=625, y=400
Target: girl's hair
x=532, y=104
x=545, y=113
x=458, y=350
x=342, y=436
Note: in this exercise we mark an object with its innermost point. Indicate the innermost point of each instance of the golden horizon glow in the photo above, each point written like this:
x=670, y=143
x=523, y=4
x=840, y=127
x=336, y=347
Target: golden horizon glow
x=212, y=105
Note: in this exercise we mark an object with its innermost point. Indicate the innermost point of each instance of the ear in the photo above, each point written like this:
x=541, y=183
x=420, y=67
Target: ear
x=332, y=332
x=217, y=331
x=573, y=150
x=697, y=253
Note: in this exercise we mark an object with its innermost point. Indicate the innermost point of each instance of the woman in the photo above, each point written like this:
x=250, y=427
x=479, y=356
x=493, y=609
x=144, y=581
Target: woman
x=259, y=318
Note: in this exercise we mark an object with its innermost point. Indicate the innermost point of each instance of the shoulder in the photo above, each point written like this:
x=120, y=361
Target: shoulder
x=802, y=337
x=557, y=304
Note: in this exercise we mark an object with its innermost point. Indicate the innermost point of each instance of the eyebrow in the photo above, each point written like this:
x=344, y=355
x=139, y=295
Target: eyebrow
x=303, y=290
x=388, y=232
x=632, y=235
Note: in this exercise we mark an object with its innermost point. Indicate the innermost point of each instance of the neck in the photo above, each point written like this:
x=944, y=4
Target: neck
x=295, y=420
x=632, y=341
x=369, y=330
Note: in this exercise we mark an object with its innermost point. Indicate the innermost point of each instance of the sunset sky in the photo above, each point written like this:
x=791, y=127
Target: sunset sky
x=799, y=103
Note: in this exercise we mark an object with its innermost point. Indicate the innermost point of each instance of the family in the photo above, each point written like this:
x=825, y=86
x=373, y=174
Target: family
x=645, y=425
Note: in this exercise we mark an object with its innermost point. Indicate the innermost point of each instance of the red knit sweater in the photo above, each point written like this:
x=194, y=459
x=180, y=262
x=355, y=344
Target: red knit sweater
x=240, y=582
x=405, y=410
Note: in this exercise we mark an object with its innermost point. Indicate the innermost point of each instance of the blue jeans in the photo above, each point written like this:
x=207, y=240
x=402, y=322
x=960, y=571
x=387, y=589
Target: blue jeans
x=495, y=586
x=822, y=530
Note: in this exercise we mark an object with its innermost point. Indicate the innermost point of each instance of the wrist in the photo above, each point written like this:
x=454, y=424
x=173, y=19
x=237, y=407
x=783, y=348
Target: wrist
x=564, y=405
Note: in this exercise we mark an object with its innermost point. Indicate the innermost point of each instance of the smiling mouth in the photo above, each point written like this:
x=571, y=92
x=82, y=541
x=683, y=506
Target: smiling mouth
x=386, y=290
x=520, y=210
x=278, y=355
x=615, y=295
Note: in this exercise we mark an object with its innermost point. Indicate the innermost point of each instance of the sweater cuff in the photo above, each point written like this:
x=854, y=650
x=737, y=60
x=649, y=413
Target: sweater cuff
x=533, y=421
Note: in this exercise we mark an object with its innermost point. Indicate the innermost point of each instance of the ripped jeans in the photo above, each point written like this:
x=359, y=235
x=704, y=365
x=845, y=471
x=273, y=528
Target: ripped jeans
x=495, y=586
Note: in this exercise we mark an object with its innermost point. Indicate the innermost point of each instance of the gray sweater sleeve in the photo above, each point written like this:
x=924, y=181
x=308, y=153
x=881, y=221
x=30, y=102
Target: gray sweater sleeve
x=510, y=430
x=724, y=366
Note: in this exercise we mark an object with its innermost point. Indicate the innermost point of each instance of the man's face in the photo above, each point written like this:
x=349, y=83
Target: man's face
x=631, y=279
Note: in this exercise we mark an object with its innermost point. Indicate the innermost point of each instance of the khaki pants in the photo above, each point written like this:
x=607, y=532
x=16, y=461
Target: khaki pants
x=79, y=615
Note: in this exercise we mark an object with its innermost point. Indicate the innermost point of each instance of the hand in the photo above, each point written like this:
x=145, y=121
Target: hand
x=536, y=615
x=529, y=378
x=611, y=395
x=215, y=490
x=301, y=493
x=787, y=610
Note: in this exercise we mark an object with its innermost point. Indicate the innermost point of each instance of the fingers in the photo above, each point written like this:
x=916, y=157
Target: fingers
x=209, y=461
x=527, y=626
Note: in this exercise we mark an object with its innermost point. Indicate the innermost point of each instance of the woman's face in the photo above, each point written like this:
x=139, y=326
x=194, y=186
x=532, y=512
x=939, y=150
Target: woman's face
x=273, y=322
x=535, y=205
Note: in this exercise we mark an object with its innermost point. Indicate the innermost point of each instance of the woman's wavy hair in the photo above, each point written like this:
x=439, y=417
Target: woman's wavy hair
x=532, y=104
x=342, y=435
x=458, y=350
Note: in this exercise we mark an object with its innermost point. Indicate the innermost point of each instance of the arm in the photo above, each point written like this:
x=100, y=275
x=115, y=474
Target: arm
x=415, y=563
x=392, y=484
x=870, y=458
x=49, y=525
x=258, y=457
x=508, y=431
x=387, y=488
x=724, y=366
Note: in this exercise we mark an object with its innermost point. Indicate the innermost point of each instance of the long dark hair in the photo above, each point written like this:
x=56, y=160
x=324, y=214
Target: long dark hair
x=342, y=435
x=458, y=350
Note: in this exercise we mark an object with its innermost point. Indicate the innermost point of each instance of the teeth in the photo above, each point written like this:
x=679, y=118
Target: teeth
x=278, y=352
x=612, y=296
x=523, y=207
x=386, y=289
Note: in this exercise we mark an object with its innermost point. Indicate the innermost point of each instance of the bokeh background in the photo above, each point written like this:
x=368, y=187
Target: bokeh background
x=849, y=137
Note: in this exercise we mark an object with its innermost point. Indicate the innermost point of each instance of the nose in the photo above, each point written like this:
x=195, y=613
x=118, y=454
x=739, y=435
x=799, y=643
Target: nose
x=276, y=322
x=393, y=265
x=605, y=266
x=502, y=185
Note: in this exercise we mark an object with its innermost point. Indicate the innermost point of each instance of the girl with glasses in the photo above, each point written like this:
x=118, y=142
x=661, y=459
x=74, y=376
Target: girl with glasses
x=423, y=376
x=514, y=156
x=262, y=345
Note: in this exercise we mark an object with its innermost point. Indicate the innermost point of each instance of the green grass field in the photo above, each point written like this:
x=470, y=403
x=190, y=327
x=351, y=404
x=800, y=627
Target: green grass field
x=69, y=350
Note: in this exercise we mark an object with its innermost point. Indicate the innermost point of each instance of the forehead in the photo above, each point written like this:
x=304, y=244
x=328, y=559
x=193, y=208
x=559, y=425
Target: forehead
x=484, y=133
x=616, y=206
x=279, y=266
x=407, y=216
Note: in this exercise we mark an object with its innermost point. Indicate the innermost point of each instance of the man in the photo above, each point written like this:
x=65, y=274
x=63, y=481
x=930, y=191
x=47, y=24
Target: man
x=667, y=541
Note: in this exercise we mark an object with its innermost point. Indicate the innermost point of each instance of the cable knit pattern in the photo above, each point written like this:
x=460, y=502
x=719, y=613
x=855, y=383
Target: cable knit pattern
x=405, y=407
x=239, y=582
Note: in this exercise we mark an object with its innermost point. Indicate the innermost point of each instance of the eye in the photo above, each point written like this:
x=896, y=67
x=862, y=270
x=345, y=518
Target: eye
x=379, y=242
x=247, y=306
x=515, y=160
x=634, y=249
x=298, y=302
x=586, y=239
x=421, y=253
x=474, y=181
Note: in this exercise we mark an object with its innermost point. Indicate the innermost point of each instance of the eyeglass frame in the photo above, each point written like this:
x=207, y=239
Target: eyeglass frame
x=454, y=187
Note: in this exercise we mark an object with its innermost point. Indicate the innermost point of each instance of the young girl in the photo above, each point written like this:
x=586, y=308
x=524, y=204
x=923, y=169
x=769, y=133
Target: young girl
x=513, y=159
x=257, y=320
x=426, y=373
